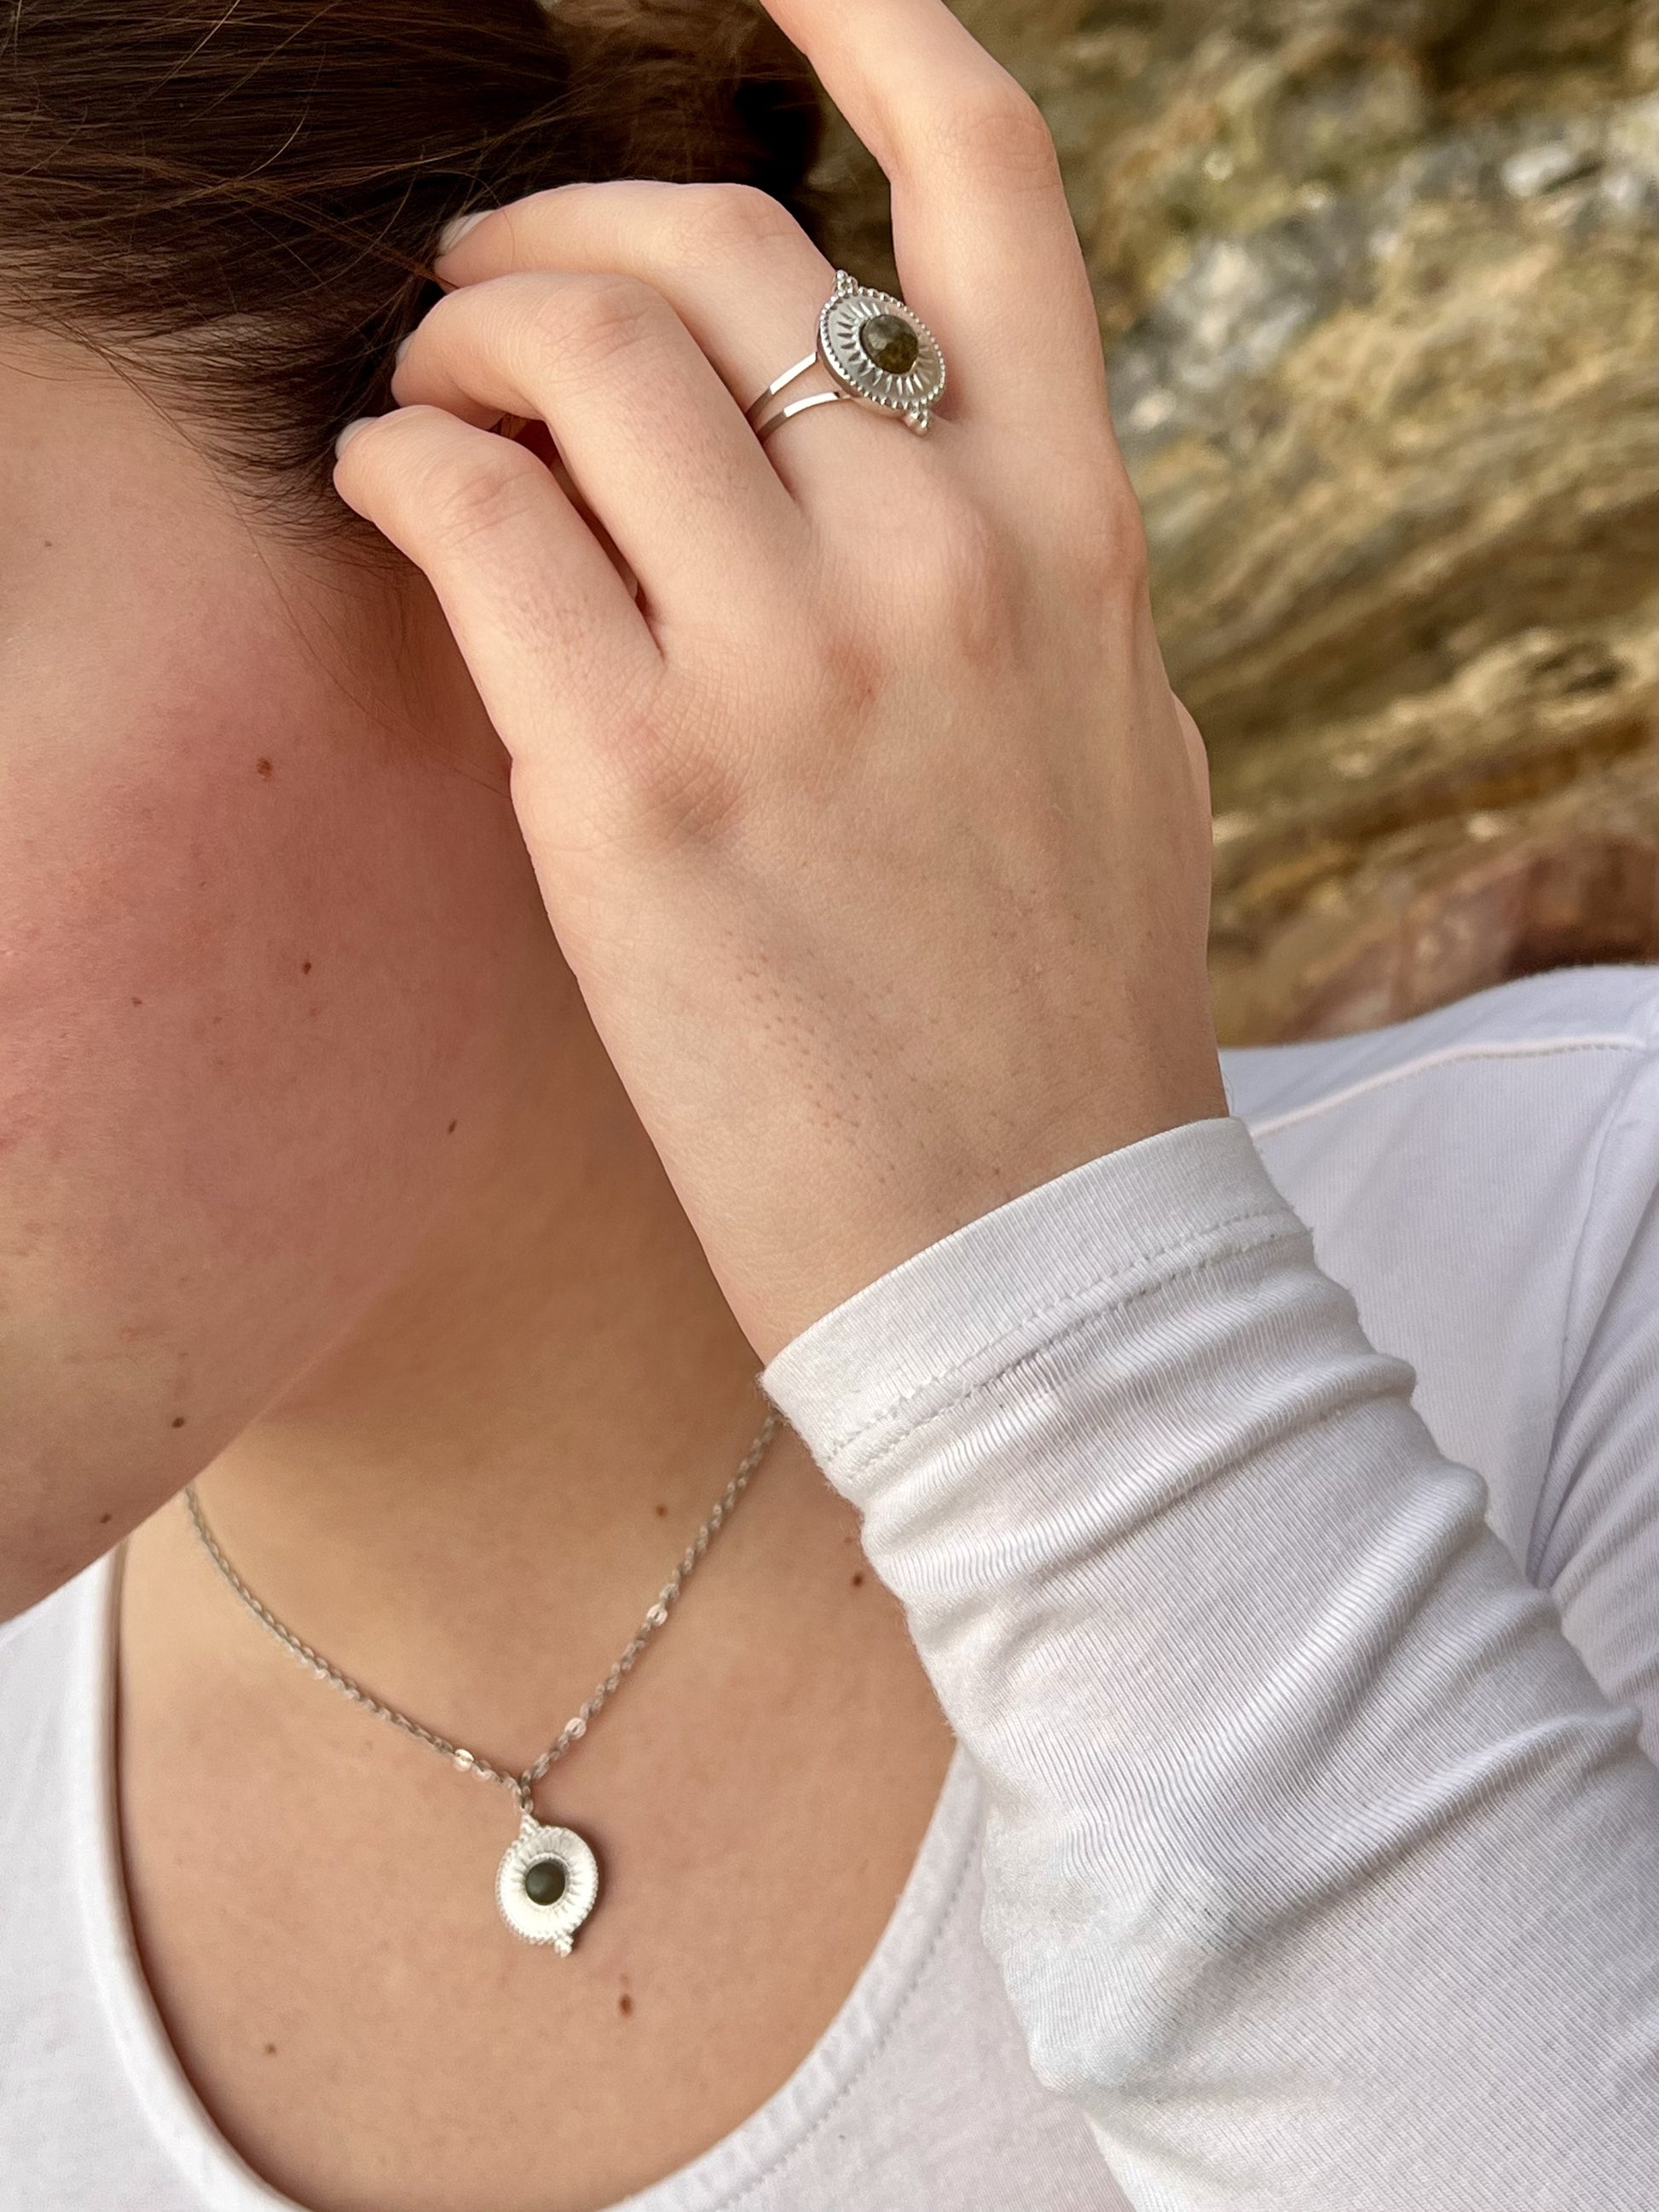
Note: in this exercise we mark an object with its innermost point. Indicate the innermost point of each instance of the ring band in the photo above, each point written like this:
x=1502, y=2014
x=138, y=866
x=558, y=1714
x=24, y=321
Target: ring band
x=876, y=351
x=764, y=429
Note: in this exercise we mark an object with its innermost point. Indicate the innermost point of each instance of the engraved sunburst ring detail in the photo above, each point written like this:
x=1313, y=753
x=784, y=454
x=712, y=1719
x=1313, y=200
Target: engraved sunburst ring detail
x=880, y=351
x=547, y=1884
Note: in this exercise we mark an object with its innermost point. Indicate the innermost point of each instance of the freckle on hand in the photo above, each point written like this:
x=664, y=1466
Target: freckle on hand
x=624, y=2004
x=262, y=768
x=305, y=967
x=178, y=1421
x=858, y=1582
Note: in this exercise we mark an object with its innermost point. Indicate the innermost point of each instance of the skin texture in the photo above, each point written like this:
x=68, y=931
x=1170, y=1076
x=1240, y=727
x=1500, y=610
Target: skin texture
x=926, y=831
x=264, y=942
x=461, y=1393
x=881, y=771
x=312, y=1892
x=444, y=1246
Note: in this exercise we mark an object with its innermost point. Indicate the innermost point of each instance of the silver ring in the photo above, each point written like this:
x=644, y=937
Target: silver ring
x=877, y=351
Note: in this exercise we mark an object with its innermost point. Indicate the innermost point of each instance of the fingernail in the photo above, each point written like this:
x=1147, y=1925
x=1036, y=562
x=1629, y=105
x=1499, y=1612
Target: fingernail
x=457, y=228
x=351, y=432
x=401, y=348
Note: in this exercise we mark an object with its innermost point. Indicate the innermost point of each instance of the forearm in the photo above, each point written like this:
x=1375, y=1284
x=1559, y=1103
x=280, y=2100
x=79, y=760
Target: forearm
x=1319, y=1869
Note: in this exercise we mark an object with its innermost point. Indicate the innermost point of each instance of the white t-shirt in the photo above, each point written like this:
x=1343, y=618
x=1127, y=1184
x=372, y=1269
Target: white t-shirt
x=1301, y=1841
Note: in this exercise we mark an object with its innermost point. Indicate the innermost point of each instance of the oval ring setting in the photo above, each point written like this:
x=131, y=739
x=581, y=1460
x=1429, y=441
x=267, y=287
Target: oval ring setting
x=877, y=351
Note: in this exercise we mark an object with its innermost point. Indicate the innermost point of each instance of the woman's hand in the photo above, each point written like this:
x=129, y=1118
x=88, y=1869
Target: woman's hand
x=870, y=827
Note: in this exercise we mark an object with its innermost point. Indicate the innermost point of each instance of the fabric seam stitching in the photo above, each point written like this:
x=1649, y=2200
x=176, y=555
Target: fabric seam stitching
x=1202, y=1265
x=1449, y=1056
x=1282, y=1233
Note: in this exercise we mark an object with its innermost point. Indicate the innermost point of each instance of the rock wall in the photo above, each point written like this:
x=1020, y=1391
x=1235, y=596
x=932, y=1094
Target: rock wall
x=1376, y=282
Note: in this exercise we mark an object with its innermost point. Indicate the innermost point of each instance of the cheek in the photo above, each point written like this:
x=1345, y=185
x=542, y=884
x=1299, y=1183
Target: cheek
x=256, y=963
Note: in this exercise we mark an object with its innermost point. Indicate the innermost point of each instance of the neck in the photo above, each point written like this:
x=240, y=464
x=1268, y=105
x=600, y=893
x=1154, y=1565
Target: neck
x=469, y=1504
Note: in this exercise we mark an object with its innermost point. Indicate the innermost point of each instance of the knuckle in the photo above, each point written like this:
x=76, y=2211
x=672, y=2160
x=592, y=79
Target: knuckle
x=678, y=784
x=965, y=576
x=1092, y=530
x=718, y=221
x=591, y=322
x=841, y=671
x=1110, y=547
x=998, y=131
x=472, y=491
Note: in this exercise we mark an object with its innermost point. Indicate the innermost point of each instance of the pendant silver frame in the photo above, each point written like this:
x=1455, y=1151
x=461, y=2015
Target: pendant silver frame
x=556, y=1923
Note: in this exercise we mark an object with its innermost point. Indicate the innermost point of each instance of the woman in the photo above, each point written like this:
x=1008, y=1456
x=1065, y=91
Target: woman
x=436, y=1248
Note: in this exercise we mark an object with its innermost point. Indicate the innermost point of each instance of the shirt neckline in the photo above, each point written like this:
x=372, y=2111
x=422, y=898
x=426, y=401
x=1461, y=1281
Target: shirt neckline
x=719, y=2177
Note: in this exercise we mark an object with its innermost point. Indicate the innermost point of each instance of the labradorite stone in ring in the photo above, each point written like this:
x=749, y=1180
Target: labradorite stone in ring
x=889, y=343
x=544, y=1882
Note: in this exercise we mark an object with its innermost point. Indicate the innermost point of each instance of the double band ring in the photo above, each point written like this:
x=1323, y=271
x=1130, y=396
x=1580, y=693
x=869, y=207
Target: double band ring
x=877, y=351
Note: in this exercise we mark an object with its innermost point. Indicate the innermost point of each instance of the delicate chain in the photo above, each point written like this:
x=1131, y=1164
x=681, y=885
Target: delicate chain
x=521, y=1786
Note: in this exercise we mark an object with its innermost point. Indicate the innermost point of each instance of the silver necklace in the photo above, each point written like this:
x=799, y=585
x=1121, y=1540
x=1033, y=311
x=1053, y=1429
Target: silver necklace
x=549, y=1881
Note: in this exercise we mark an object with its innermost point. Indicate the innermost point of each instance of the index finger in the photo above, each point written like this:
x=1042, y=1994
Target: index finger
x=987, y=250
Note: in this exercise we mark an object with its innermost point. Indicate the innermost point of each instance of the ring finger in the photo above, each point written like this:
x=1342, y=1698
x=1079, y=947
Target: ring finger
x=736, y=267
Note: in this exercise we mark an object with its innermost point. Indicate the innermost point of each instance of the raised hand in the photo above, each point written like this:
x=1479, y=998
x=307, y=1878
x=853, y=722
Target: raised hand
x=857, y=794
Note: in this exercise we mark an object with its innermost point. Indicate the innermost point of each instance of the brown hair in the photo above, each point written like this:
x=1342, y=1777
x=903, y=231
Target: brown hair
x=243, y=197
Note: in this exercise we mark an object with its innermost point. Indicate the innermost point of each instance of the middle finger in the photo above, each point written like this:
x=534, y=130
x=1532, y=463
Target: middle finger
x=735, y=265
x=651, y=438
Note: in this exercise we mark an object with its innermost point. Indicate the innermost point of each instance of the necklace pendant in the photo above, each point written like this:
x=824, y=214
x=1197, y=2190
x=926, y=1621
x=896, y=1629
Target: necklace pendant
x=547, y=1884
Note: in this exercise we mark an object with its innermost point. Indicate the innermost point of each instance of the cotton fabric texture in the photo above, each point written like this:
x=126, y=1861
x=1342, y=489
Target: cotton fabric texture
x=1292, y=1595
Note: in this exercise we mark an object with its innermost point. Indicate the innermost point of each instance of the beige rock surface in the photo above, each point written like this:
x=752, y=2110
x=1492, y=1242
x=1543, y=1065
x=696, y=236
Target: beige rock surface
x=1376, y=283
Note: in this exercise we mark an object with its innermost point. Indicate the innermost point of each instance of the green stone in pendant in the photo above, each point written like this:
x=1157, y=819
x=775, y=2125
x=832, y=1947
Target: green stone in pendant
x=544, y=1882
x=889, y=343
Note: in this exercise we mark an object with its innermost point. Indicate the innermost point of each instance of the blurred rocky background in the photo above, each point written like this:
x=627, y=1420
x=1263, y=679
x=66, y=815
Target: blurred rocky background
x=1377, y=281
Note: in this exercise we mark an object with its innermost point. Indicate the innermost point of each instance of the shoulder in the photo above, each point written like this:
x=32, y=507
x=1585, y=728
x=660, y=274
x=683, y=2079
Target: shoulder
x=1476, y=1178
x=1584, y=1031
